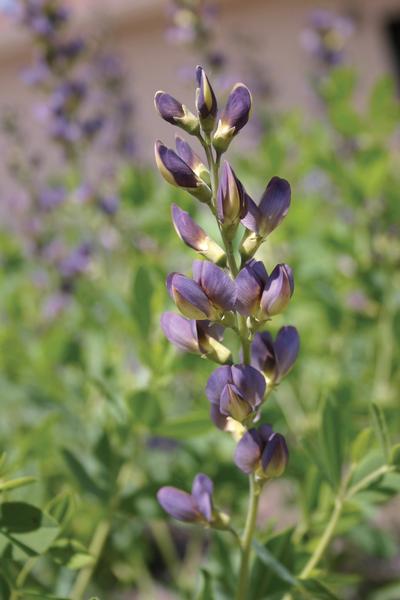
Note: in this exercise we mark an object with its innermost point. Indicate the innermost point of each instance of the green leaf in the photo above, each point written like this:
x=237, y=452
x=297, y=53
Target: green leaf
x=381, y=429
x=361, y=445
x=394, y=458
x=61, y=508
x=188, y=426
x=142, y=293
x=82, y=476
x=205, y=591
x=71, y=554
x=27, y=528
x=315, y=590
x=272, y=563
x=331, y=437
x=13, y=484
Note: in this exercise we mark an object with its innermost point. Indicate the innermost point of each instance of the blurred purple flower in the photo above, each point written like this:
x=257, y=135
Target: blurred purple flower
x=196, y=507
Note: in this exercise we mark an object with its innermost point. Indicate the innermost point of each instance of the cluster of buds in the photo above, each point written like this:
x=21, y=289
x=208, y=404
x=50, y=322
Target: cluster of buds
x=224, y=293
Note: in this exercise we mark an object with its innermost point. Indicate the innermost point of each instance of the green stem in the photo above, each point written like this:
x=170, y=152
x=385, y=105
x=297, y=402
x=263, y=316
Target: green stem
x=325, y=539
x=254, y=496
x=360, y=485
x=95, y=549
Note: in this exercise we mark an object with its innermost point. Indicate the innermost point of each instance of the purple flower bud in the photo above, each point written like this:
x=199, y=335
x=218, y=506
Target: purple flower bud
x=206, y=102
x=261, y=295
x=186, y=153
x=172, y=111
x=109, y=204
x=263, y=452
x=178, y=173
x=231, y=203
x=273, y=208
x=190, y=508
x=234, y=117
x=195, y=237
x=275, y=358
x=207, y=296
x=250, y=284
x=278, y=291
x=197, y=337
x=235, y=391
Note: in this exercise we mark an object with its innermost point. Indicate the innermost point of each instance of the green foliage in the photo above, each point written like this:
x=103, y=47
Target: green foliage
x=98, y=403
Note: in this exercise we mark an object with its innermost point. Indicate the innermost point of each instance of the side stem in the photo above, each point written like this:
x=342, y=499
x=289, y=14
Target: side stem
x=254, y=496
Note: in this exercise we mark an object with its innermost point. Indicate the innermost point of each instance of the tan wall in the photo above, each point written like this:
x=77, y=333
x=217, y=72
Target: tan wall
x=137, y=27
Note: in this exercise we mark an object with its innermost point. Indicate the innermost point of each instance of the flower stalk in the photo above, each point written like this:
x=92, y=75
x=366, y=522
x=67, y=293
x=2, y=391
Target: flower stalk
x=226, y=292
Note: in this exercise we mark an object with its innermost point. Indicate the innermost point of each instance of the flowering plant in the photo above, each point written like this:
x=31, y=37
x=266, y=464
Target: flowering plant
x=229, y=290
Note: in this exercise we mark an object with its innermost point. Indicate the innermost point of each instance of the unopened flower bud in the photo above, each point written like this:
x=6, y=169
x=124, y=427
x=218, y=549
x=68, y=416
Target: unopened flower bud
x=275, y=358
x=261, y=220
x=234, y=391
x=206, y=102
x=196, y=507
x=208, y=295
x=172, y=111
x=192, y=159
x=195, y=237
x=263, y=452
x=278, y=291
x=197, y=337
x=178, y=173
x=234, y=117
x=231, y=203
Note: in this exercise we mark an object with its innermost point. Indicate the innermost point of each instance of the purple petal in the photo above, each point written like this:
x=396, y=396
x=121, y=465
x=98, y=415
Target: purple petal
x=274, y=204
x=275, y=456
x=250, y=382
x=233, y=404
x=216, y=383
x=237, y=109
x=204, y=109
x=181, y=332
x=188, y=230
x=188, y=296
x=253, y=216
x=264, y=433
x=287, y=346
x=217, y=417
x=250, y=283
x=186, y=153
x=202, y=491
x=263, y=352
x=216, y=283
x=278, y=290
x=168, y=107
x=231, y=203
x=178, y=504
x=248, y=452
x=175, y=167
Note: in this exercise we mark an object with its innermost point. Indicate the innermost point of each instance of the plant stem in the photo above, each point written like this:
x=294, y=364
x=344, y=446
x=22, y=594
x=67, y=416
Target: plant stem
x=95, y=549
x=244, y=333
x=357, y=487
x=254, y=495
x=324, y=541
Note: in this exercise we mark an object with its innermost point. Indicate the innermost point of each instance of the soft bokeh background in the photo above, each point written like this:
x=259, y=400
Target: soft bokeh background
x=96, y=405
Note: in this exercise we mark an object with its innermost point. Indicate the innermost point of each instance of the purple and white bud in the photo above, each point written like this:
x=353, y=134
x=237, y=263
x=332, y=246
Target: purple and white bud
x=195, y=237
x=206, y=102
x=196, y=337
x=278, y=291
x=174, y=112
x=231, y=203
x=236, y=392
x=192, y=159
x=275, y=358
x=178, y=173
x=196, y=507
x=209, y=295
x=263, y=452
x=261, y=220
x=234, y=117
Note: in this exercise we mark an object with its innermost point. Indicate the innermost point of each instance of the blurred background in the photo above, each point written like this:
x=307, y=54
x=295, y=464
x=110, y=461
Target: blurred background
x=97, y=407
